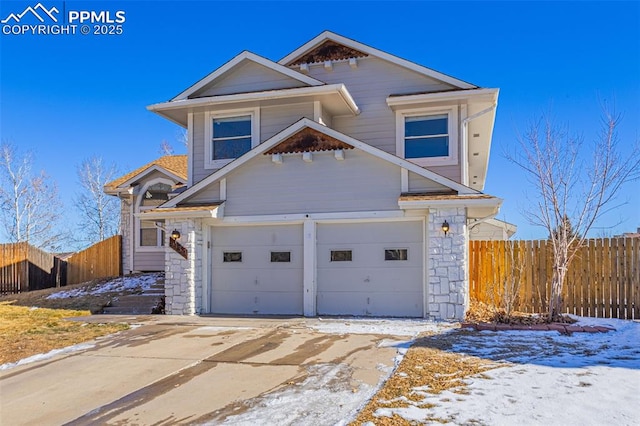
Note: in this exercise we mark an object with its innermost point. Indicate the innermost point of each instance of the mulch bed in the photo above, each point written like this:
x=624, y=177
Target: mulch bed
x=482, y=317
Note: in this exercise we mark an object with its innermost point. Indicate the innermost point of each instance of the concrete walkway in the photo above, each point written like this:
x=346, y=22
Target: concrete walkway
x=192, y=370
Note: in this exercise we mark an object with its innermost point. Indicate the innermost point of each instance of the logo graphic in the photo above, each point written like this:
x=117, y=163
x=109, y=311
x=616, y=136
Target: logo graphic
x=34, y=11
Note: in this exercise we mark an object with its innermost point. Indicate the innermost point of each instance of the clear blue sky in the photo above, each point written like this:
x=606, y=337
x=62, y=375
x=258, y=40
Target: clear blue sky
x=69, y=97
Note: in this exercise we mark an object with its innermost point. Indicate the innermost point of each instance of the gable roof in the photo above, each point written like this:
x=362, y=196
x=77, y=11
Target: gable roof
x=308, y=140
x=328, y=50
x=300, y=125
x=237, y=60
x=303, y=52
x=175, y=165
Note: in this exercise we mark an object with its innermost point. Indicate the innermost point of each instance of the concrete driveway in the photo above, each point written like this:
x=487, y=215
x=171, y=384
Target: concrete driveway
x=176, y=370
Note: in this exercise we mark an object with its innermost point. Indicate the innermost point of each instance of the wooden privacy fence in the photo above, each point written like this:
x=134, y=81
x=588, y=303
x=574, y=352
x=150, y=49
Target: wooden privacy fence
x=102, y=259
x=25, y=268
x=602, y=281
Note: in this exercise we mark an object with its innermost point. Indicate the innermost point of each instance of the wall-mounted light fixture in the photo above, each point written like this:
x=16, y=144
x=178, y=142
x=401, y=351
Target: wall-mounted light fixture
x=445, y=227
x=175, y=234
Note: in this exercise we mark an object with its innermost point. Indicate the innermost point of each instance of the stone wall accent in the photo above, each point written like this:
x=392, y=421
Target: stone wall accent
x=125, y=231
x=183, y=277
x=448, y=286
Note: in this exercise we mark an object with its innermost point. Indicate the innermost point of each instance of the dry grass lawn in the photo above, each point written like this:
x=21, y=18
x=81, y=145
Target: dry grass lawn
x=425, y=365
x=26, y=331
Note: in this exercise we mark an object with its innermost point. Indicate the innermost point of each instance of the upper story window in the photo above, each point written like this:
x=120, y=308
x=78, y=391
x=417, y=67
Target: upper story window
x=229, y=135
x=155, y=194
x=427, y=137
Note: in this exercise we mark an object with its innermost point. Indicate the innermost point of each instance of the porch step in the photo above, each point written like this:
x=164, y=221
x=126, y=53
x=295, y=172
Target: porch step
x=137, y=304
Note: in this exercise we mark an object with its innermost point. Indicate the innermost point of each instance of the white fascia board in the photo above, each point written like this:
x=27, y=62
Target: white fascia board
x=328, y=35
x=364, y=216
x=466, y=202
x=405, y=100
x=340, y=89
x=215, y=213
x=299, y=125
x=246, y=55
x=154, y=168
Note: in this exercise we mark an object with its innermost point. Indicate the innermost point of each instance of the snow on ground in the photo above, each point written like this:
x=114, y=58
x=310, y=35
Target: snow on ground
x=545, y=378
x=393, y=327
x=133, y=283
x=326, y=396
x=48, y=355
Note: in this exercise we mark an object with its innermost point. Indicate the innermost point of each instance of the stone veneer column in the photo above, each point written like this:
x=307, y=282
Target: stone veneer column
x=183, y=277
x=125, y=231
x=448, y=292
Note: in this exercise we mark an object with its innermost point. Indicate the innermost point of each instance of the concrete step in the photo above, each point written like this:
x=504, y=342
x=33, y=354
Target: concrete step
x=134, y=304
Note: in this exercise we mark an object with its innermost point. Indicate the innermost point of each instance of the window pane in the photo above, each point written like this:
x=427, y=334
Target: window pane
x=341, y=256
x=148, y=237
x=281, y=256
x=395, y=254
x=424, y=126
x=232, y=126
x=233, y=256
x=233, y=148
x=426, y=147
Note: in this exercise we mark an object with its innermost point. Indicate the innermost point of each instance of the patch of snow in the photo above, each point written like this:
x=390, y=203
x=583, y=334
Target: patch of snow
x=327, y=395
x=393, y=327
x=134, y=283
x=545, y=378
x=48, y=355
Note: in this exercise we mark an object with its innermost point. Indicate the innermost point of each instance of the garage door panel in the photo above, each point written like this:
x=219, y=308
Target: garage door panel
x=257, y=280
x=252, y=236
x=258, y=257
x=371, y=233
x=371, y=256
x=372, y=280
x=369, y=284
x=256, y=285
x=255, y=303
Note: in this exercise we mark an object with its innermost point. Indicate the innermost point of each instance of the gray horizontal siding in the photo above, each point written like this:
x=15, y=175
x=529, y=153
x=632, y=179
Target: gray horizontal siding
x=198, y=171
x=420, y=184
x=370, y=84
x=249, y=77
x=359, y=183
x=276, y=119
x=148, y=261
x=207, y=194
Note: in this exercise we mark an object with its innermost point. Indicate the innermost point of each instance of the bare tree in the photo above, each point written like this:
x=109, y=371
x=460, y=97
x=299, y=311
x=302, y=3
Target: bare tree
x=574, y=184
x=99, y=214
x=165, y=148
x=30, y=207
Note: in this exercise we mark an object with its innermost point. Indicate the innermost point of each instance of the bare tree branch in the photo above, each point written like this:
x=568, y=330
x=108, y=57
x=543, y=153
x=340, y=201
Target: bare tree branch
x=99, y=214
x=571, y=195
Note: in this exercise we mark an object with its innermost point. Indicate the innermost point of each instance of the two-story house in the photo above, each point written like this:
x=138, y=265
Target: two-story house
x=340, y=180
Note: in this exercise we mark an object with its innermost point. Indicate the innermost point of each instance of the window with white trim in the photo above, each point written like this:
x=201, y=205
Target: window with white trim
x=229, y=135
x=150, y=235
x=427, y=137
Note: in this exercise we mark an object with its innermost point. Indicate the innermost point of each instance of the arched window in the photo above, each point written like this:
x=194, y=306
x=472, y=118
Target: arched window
x=150, y=233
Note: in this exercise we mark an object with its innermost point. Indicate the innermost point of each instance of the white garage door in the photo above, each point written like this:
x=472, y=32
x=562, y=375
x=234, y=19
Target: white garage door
x=371, y=269
x=257, y=270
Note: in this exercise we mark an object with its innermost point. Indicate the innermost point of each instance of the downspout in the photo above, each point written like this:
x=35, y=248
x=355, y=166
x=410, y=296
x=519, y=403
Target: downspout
x=465, y=141
x=132, y=238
